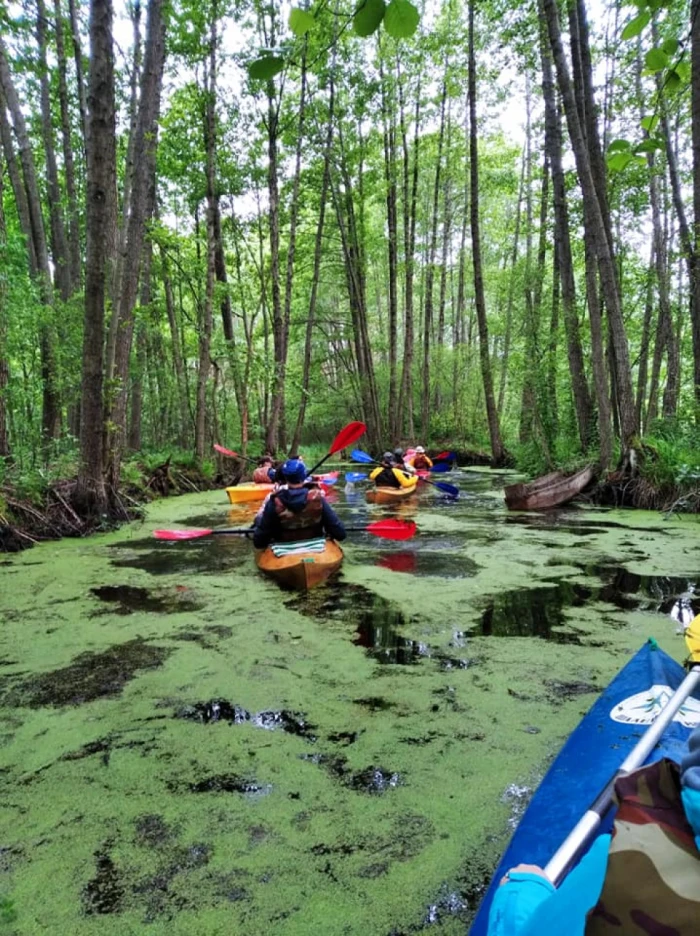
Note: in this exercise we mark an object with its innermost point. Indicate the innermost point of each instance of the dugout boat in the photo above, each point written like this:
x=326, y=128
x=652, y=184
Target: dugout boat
x=590, y=759
x=301, y=565
x=552, y=490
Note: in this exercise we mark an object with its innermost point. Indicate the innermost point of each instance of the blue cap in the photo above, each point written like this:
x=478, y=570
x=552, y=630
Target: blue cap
x=294, y=470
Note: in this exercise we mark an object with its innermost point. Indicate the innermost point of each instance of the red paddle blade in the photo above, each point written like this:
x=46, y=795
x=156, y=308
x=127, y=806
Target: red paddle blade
x=225, y=451
x=436, y=457
x=180, y=534
x=393, y=529
x=349, y=434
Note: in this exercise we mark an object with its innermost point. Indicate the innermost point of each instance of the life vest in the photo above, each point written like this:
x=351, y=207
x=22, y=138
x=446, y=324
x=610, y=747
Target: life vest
x=421, y=462
x=261, y=475
x=387, y=478
x=652, y=884
x=306, y=524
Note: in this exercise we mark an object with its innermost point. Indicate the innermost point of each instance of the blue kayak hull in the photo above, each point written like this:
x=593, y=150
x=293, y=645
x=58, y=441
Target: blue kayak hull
x=590, y=757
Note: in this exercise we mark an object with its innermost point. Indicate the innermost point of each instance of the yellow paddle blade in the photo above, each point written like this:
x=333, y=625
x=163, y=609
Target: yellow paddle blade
x=692, y=639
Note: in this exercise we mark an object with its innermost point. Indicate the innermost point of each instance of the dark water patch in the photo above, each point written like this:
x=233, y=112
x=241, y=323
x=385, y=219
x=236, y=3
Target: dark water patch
x=533, y=612
x=152, y=831
x=105, y=892
x=374, y=703
x=345, y=738
x=372, y=780
x=676, y=596
x=202, y=636
x=88, y=677
x=132, y=598
x=101, y=746
x=216, y=710
x=208, y=555
x=570, y=690
x=228, y=783
x=376, y=620
x=156, y=890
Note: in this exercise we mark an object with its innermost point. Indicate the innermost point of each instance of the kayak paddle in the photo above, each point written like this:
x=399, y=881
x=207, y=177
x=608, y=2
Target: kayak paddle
x=588, y=824
x=353, y=476
x=445, y=456
x=388, y=529
x=359, y=456
x=441, y=468
x=347, y=435
x=231, y=454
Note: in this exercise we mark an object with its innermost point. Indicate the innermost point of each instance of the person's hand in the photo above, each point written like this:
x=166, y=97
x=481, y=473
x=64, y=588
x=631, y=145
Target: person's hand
x=524, y=869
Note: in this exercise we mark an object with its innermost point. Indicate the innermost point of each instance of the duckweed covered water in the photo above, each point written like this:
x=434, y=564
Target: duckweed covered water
x=184, y=748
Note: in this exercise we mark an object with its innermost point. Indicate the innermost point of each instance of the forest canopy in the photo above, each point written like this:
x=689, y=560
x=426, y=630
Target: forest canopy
x=249, y=223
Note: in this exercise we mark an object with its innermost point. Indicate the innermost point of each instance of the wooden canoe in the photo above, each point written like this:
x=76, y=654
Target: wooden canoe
x=242, y=493
x=303, y=570
x=551, y=490
x=389, y=495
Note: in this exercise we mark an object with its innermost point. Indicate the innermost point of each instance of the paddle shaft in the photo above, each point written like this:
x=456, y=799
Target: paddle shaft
x=588, y=825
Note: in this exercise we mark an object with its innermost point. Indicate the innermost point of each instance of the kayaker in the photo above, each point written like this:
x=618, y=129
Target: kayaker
x=296, y=512
x=389, y=475
x=400, y=461
x=265, y=472
x=420, y=460
x=654, y=878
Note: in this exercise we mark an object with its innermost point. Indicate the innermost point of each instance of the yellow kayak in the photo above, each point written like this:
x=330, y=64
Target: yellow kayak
x=390, y=495
x=242, y=493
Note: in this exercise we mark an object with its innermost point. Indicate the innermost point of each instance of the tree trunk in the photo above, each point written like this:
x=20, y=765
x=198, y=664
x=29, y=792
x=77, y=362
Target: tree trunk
x=101, y=212
x=4, y=363
x=596, y=231
x=75, y=268
x=59, y=242
x=497, y=450
x=78, y=58
x=318, y=252
x=389, y=133
x=136, y=398
x=142, y=203
x=178, y=365
x=14, y=172
x=51, y=410
x=695, y=109
x=430, y=268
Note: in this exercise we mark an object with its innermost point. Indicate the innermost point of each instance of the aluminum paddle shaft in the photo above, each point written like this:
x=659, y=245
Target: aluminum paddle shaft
x=588, y=825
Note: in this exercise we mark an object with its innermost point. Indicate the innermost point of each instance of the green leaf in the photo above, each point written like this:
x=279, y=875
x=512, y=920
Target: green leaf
x=636, y=25
x=265, y=67
x=670, y=46
x=673, y=81
x=618, y=161
x=619, y=146
x=368, y=17
x=682, y=69
x=649, y=146
x=650, y=123
x=300, y=21
x=401, y=19
x=655, y=60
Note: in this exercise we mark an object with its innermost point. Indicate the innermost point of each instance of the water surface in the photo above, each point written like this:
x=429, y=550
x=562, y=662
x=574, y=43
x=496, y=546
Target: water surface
x=184, y=748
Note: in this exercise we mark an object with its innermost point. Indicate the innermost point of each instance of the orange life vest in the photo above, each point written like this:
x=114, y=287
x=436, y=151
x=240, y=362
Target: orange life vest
x=261, y=476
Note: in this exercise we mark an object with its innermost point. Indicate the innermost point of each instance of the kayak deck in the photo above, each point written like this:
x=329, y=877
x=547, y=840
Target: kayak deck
x=242, y=493
x=301, y=570
x=388, y=495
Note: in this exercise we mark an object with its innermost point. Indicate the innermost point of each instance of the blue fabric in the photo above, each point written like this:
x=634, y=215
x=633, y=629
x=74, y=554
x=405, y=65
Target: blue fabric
x=268, y=527
x=529, y=905
x=690, y=782
x=294, y=470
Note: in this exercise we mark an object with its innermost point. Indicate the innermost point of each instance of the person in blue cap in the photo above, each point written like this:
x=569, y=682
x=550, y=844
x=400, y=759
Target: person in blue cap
x=296, y=512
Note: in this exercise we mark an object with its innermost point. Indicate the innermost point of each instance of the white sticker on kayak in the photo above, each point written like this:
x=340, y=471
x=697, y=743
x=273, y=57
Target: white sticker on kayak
x=643, y=707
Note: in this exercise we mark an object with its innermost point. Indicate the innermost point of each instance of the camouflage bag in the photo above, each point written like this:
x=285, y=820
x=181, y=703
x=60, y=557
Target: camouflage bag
x=652, y=885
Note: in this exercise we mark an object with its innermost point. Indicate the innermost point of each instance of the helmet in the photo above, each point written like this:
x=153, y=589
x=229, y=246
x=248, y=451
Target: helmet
x=420, y=450
x=398, y=453
x=387, y=457
x=294, y=470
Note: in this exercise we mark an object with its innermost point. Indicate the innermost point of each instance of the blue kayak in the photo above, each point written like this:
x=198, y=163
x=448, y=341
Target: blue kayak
x=590, y=757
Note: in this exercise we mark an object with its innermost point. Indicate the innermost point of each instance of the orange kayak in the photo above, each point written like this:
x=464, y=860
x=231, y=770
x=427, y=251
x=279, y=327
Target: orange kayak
x=390, y=495
x=301, y=570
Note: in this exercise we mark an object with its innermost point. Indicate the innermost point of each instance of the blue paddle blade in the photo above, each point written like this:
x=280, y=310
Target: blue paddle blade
x=359, y=456
x=440, y=468
x=446, y=488
x=353, y=476
x=327, y=481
